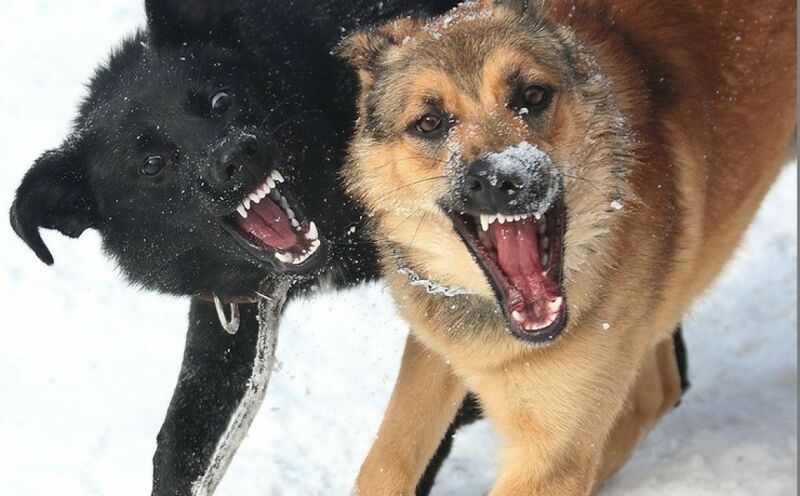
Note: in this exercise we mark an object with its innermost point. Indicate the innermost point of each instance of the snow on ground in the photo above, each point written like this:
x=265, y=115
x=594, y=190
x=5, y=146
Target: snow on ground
x=87, y=364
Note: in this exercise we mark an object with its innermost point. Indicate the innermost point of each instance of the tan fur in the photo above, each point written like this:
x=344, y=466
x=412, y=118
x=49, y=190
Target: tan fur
x=679, y=111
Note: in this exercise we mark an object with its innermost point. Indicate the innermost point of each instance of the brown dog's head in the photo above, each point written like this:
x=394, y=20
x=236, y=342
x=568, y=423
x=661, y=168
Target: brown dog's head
x=490, y=151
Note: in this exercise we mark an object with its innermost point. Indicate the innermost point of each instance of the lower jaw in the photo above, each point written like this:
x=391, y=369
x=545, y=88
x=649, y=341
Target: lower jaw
x=542, y=337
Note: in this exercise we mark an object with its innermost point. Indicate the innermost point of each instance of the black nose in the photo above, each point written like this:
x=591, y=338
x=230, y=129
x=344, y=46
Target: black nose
x=234, y=156
x=490, y=187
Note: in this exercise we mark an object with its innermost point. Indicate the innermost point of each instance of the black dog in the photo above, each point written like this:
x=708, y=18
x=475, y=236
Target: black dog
x=206, y=154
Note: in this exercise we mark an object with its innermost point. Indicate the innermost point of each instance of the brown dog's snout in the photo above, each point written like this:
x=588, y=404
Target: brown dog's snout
x=490, y=188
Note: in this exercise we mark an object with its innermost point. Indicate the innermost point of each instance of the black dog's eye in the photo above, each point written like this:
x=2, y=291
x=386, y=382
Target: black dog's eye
x=430, y=125
x=152, y=165
x=221, y=102
x=533, y=98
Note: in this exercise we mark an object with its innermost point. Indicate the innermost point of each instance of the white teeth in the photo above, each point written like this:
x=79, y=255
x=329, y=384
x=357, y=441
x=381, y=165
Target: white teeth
x=485, y=222
x=246, y=203
x=537, y=215
x=270, y=183
x=284, y=203
x=255, y=197
x=312, y=233
x=545, y=259
x=284, y=257
x=290, y=213
x=544, y=243
x=242, y=211
x=264, y=191
x=276, y=176
x=555, y=305
x=289, y=258
x=519, y=317
x=295, y=224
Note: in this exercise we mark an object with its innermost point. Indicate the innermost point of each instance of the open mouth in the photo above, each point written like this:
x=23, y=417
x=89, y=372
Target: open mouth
x=522, y=256
x=268, y=223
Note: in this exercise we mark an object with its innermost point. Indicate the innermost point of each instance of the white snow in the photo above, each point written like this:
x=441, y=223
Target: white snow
x=87, y=364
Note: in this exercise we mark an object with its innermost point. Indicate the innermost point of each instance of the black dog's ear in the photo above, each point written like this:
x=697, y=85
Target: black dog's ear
x=54, y=194
x=173, y=22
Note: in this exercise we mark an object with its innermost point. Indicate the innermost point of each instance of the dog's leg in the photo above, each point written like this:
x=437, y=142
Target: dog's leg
x=212, y=383
x=423, y=403
x=657, y=390
x=469, y=412
x=556, y=414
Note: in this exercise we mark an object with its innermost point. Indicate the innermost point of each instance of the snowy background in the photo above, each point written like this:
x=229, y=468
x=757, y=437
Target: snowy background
x=87, y=364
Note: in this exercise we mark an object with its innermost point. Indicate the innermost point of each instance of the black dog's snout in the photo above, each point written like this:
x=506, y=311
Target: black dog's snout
x=492, y=188
x=234, y=156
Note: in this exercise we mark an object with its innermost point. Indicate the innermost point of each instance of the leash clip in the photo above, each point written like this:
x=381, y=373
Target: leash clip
x=230, y=326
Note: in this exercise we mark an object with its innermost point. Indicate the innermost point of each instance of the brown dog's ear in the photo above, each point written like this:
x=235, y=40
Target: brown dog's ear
x=54, y=194
x=364, y=49
x=531, y=8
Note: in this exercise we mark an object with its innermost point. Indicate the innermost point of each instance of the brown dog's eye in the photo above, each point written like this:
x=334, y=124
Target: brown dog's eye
x=152, y=165
x=532, y=99
x=429, y=123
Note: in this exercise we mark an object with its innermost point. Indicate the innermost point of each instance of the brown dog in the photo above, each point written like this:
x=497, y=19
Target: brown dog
x=558, y=183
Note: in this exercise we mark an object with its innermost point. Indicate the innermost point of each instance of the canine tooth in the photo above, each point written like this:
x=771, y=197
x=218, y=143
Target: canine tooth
x=312, y=233
x=284, y=257
x=246, y=203
x=519, y=317
x=242, y=211
x=270, y=182
x=555, y=305
x=276, y=176
x=485, y=222
x=545, y=259
x=315, y=244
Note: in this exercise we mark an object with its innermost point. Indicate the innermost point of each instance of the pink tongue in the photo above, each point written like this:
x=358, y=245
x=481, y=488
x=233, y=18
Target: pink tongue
x=269, y=223
x=518, y=256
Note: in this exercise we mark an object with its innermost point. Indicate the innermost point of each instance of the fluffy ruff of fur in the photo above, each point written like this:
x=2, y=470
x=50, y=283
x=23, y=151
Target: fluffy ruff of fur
x=668, y=122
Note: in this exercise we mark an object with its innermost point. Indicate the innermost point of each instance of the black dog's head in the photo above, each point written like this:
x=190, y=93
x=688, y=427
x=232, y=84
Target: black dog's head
x=183, y=157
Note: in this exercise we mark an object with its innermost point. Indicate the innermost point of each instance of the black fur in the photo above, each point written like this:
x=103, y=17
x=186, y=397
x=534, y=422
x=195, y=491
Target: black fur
x=153, y=98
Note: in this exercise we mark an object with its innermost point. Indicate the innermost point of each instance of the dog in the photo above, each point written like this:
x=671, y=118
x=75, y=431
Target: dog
x=551, y=185
x=206, y=155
